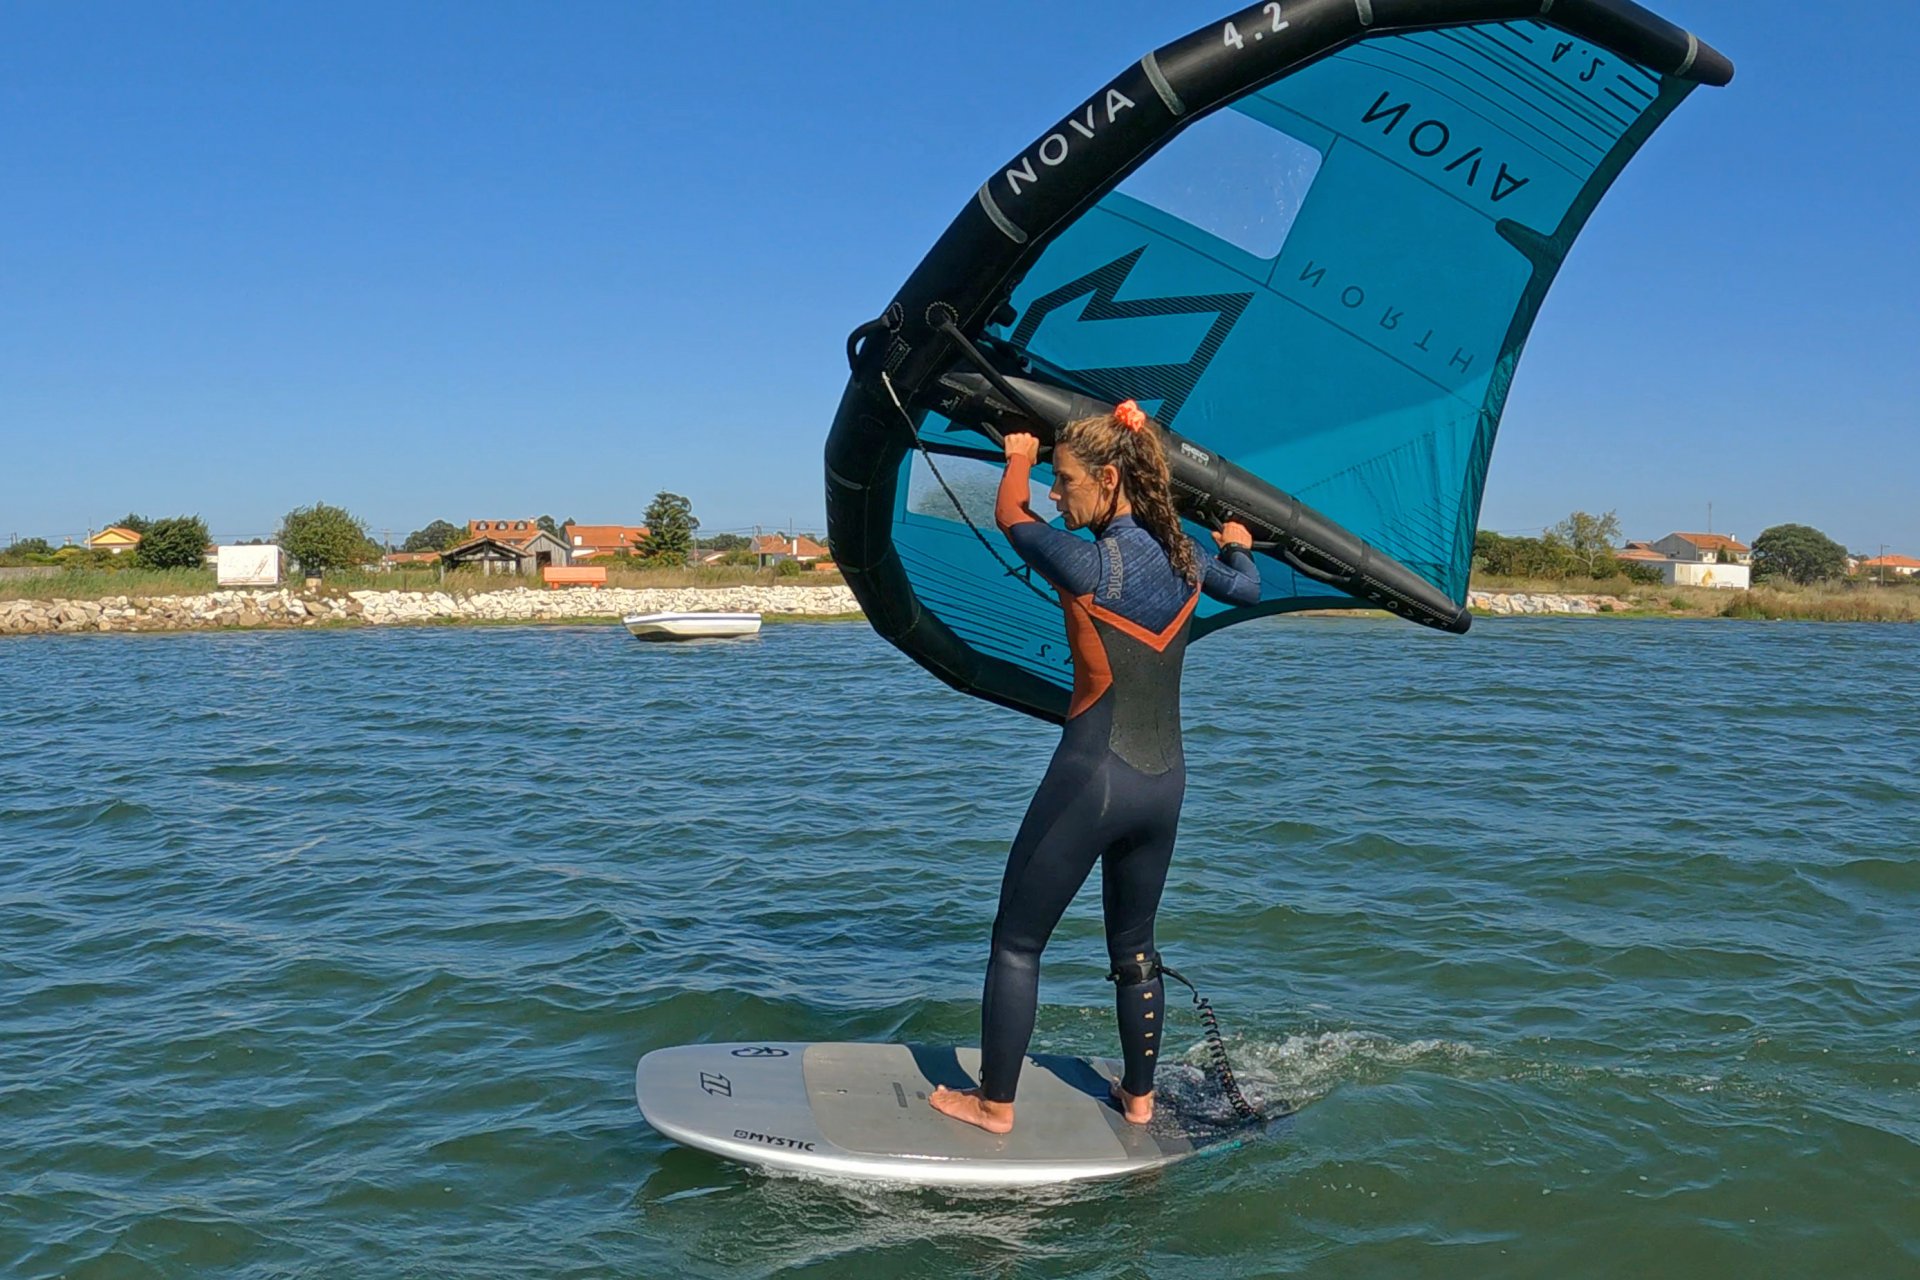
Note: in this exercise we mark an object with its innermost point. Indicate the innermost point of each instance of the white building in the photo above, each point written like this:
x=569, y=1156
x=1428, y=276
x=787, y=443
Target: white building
x=1695, y=560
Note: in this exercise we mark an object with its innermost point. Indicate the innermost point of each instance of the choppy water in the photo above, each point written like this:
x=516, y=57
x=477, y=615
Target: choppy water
x=1593, y=949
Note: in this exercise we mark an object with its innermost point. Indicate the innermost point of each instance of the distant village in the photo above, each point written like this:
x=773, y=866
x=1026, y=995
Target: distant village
x=536, y=547
x=525, y=547
x=579, y=554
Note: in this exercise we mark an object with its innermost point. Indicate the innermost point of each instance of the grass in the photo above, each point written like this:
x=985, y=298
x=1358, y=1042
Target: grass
x=1839, y=602
x=96, y=584
x=1858, y=604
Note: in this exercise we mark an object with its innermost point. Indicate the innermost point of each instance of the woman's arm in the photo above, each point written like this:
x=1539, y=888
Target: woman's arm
x=1069, y=563
x=1231, y=576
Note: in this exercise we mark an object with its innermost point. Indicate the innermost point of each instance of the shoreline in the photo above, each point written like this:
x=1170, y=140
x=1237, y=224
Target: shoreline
x=242, y=609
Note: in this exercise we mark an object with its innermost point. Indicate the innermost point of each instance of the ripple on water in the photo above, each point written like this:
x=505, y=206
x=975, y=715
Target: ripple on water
x=1565, y=955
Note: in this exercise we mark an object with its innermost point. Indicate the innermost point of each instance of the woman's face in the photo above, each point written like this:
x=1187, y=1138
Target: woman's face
x=1083, y=496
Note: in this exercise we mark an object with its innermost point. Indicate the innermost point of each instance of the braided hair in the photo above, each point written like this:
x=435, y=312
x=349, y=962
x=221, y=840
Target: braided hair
x=1135, y=451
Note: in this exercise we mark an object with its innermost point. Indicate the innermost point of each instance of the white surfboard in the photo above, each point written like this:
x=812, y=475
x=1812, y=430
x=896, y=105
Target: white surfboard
x=860, y=1111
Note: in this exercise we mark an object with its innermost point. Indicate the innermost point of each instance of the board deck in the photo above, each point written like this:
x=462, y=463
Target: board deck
x=860, y=1111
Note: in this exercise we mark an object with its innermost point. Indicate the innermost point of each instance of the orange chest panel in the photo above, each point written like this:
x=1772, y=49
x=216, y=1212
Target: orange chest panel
x=1092, y=668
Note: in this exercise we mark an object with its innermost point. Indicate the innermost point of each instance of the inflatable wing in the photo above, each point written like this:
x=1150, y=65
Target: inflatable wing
x=1310, y=240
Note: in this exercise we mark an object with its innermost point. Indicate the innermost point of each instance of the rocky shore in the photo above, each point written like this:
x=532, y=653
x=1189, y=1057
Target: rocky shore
x=1503, y=603
x=285, y=608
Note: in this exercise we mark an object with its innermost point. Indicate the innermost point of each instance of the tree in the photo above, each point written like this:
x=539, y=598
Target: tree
x=139, y=524
x=437, y=536
x=179, y=542
x=546, y=522
x=726, y=542
x=321, y=537
x=670, y=525
x=1799, y=552
x=31, y=547
x=1587, y=540
x=1508, y=557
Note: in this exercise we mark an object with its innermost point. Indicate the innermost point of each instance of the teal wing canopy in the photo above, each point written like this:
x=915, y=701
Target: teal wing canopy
x=1328, y=278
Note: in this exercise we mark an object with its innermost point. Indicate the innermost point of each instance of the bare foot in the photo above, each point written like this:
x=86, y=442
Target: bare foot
x=1137, y=1110
x=968, y=1106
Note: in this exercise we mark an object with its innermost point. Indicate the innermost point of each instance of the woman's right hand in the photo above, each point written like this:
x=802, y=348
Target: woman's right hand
x=1020, y=446
x=1234, y=534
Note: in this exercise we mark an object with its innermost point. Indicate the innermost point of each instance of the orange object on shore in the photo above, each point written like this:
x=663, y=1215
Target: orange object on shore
x=574, y=575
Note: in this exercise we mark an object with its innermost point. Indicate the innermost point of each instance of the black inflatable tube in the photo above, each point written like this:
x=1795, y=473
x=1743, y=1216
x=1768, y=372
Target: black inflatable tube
x=1212, y=489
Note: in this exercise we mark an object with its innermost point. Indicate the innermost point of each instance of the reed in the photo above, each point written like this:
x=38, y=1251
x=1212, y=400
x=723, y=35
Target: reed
x=1847, y=604
x=97, y=584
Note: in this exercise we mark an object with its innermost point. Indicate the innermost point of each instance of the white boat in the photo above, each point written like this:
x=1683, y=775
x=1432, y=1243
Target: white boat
x=691, y=626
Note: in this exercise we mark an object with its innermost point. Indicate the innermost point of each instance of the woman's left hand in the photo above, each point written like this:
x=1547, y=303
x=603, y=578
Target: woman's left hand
x=1022, y=446
x=1234, y=534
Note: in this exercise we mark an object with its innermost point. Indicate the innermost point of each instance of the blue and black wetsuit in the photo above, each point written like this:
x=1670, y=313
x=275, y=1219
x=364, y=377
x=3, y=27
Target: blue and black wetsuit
x=1112, y=793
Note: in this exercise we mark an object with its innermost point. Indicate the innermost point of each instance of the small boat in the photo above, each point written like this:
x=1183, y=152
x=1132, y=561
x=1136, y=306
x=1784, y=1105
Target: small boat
x=691, y=626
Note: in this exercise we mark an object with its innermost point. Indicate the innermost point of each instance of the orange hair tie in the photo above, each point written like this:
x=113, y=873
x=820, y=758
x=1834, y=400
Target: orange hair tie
x=1128, y=415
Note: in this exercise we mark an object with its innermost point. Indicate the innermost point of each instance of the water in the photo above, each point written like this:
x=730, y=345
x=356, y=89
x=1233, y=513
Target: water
x=1590, y=948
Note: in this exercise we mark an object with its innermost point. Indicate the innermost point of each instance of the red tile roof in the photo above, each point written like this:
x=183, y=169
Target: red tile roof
x=1891, y=562
x=503, y=530
x=1713, y=542
x=593, y=539
x=799, y=547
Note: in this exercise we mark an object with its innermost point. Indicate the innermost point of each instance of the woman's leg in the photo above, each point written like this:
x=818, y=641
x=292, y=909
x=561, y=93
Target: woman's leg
x=1058, y=844
x=1133, y=874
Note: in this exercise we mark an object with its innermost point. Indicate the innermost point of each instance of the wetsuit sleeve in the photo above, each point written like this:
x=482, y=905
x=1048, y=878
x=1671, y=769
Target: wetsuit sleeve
x=1069, y=563
x=1230, y=576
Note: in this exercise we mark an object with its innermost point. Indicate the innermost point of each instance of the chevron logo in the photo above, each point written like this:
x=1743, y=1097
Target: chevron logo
x=1170, y=383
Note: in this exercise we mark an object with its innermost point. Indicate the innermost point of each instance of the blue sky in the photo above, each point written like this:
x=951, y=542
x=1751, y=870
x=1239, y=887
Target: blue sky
x=473, y=260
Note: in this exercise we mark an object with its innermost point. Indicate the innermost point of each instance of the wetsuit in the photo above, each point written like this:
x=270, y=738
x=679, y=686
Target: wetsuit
x=1113, y=790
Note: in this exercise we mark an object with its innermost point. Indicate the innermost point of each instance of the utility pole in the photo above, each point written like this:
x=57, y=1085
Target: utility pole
x=1709, y=517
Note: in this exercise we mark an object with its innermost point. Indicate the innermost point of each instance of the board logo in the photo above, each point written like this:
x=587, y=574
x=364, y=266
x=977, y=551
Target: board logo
x=717, y=1085
x=772, y=1140
x=759, y=1051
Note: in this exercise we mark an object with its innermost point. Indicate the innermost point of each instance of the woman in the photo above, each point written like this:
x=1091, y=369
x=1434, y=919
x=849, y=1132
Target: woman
x=1113, y=790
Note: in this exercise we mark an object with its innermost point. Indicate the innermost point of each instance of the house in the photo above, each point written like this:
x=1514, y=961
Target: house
x=408, y=559
x=506, y=546
x=1703, y=548
x=585, y=541
x=1890, y=566
x=1639, y=553
x=113, y=538
x=774, y=547
x=1694, y=560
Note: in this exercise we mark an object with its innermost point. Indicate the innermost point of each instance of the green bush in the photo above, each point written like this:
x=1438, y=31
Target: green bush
x=788, y=569
x=176, y=543
x=321, y=537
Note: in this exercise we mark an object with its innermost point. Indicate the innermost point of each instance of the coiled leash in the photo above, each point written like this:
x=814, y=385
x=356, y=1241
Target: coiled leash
x=1210, y=1023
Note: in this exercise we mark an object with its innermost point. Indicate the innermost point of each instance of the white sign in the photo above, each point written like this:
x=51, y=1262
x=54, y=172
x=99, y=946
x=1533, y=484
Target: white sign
x=249, y=566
